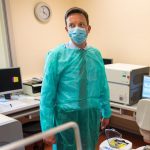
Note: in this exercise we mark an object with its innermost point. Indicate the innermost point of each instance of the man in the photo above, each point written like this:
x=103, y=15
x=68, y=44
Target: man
x=75, y=87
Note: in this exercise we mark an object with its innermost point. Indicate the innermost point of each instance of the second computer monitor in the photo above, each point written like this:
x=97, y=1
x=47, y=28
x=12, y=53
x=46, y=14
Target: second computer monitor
x=146, y=87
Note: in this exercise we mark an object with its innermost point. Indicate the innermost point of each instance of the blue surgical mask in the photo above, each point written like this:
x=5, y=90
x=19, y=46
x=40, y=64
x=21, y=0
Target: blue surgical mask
x=77, y=34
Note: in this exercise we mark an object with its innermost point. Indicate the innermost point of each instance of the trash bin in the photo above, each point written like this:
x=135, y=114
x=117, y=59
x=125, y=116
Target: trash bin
x=114, y=141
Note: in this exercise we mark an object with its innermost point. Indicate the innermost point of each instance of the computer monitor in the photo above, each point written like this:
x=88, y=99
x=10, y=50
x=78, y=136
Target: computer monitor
x=10, y=81
x=107, y=61
x=146, y=87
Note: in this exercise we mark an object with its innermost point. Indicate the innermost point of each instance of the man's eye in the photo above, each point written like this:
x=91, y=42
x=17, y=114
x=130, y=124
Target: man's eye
x=82, y=25
x=71, y=25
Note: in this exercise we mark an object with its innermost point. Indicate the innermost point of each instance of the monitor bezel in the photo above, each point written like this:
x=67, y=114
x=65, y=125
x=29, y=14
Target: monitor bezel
x=13, y=91
x=143, y=87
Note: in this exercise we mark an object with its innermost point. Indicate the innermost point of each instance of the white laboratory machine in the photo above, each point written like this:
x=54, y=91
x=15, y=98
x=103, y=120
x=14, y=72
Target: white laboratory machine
x=32, y=87
x=10, y=130
x=125, y=82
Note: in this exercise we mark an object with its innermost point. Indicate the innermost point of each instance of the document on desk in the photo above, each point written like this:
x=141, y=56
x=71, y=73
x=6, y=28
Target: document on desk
x=13, y=106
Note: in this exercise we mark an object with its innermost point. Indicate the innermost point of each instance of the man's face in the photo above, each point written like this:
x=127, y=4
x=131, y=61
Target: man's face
x=77, y=20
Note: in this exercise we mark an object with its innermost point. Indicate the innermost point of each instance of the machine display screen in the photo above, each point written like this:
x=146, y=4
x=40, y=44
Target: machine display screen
x=146, y=87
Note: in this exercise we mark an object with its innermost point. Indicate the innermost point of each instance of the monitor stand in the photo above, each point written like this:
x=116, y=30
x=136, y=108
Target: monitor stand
x=7, y=96
x=11, y=96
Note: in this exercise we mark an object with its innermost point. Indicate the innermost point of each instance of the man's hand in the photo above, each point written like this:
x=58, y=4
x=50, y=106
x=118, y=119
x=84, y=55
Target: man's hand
x=104, y=123
x=50, y=140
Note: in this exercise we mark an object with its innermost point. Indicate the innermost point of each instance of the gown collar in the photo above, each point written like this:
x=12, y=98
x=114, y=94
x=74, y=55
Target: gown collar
x=71, y=45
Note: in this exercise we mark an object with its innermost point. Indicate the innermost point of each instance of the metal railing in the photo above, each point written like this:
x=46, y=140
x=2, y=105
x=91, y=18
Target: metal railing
x=40, y=136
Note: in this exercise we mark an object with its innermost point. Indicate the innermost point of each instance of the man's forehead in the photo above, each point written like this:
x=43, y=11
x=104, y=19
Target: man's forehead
x=76, y=17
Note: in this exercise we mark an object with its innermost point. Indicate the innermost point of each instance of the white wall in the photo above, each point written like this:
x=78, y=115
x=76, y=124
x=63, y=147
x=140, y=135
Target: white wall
x=32, y=38
x=120, y=29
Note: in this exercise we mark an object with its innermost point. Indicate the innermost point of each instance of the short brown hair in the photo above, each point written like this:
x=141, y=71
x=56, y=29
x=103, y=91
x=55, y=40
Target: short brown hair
x=74, y=10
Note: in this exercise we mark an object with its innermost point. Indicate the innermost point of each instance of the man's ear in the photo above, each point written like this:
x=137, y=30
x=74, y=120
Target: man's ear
x=66, y=28
x=89, y=29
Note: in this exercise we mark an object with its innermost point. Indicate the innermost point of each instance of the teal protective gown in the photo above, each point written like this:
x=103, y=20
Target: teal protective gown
x=74, y=88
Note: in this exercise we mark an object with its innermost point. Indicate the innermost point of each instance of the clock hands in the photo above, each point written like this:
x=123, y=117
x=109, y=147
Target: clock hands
x=45, y=11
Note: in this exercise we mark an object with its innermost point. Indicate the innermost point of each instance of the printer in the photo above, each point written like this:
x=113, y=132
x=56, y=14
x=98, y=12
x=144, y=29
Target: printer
x=32, y=87
x=10, y=131
x=125, y=82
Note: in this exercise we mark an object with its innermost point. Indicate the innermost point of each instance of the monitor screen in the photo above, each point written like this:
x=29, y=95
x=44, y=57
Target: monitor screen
x=146, y=87
x=107, y=61
x=10, y=80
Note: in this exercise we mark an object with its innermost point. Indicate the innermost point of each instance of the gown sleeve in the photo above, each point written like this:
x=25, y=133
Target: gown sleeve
x=48, y=92
x=106, y=110
x=105, y=94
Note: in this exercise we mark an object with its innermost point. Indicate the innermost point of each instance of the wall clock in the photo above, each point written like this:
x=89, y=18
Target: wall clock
x=42, y=12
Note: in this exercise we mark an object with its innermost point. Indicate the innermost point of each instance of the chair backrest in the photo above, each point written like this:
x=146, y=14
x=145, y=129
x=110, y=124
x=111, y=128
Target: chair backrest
x=143, y=114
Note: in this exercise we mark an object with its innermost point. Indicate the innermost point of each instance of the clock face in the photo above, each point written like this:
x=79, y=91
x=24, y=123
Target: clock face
x=45, y=12
x=42, y=12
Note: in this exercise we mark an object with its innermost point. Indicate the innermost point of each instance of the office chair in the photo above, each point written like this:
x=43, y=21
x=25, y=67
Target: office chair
x=143, y=118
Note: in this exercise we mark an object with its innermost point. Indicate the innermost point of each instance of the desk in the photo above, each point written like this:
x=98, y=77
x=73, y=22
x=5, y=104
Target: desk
x=23, y=110
x=124, y=117
x=127, y=112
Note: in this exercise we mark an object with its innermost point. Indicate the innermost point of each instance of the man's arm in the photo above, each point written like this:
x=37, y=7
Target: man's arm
x=48, y=93
x=106, y=110
x=104, y=98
